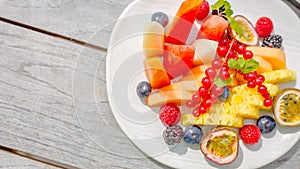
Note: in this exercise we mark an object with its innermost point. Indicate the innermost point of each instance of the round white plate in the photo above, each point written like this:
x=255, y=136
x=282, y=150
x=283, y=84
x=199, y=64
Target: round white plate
x=142, y=125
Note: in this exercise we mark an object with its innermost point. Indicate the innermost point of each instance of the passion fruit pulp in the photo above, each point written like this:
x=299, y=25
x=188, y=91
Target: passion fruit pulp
x=249, y=36
x=287, y=107
x=220, y=145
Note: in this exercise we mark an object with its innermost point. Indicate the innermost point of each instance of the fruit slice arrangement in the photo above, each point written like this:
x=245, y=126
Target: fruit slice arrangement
x=224, y=76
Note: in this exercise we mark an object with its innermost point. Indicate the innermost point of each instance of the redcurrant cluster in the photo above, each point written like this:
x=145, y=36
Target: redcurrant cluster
x=209, y=92
x=255, y=80
x=231, y=49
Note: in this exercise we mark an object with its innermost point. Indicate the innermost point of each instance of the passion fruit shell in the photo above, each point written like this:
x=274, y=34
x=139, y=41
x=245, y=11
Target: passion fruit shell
x=249, y=36
x=286, y=107
x=220, y=145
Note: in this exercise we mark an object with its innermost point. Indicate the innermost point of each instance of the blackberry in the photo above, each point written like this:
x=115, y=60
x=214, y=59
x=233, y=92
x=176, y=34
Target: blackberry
x=172, y=135
x=272, y=41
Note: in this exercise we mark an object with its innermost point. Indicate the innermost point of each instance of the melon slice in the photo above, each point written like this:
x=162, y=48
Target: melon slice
x=274, y=55
x=176, y=97
x=153, y=40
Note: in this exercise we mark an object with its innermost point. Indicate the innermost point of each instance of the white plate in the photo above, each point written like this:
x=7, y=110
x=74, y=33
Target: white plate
x=141, y=124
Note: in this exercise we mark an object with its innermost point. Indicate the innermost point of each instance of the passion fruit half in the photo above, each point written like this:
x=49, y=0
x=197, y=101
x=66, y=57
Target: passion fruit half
x=249, y=36
x=220, y=145
x=286, y=107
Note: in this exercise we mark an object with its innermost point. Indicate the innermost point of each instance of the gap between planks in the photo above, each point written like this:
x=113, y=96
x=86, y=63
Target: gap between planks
x=36, y=158
x=76, y=41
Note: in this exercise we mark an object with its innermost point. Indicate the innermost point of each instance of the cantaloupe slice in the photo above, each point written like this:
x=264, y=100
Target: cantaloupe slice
x=170, y=96
x=153, y=39
x=156, y=73
x=190, y=85
x=196, y=73
x=264, y=65
x=274, y=55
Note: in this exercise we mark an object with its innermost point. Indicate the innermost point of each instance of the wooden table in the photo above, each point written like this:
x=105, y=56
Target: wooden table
x=42, y=45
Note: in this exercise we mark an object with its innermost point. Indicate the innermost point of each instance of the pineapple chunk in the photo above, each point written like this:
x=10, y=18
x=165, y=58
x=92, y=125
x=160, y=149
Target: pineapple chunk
x=280, y=76
x=213, y=119
x=243, y=94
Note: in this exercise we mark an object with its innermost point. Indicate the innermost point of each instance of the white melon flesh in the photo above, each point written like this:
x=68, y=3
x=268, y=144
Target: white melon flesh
x=153, y=40
x=205, y=51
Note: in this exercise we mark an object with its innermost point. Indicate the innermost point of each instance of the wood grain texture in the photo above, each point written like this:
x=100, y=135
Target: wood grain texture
x=8, y=160
x=79, y=19
x=37, y=111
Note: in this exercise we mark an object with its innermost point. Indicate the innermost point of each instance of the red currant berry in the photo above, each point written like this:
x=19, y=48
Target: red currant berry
x=206, y=82
x=251, y=76
x=241, y=48
x=196, y=112
x=207, y=103
x=251, y=84
x=224, y=75
x=248, y=54
x=268, y=102
x=189, y=104
x=222, y=51
x=202, y=109
x=214, y=97
x=223, y=41
x=266, y=95
x=261, y=77
x=258, y=81
x=216, y=64
x=217, y=90
x=233, y=44
x=211, y=73
x=231, y=54
x=262, y=89
x=202, y=91
x=196, y=98
x=225, y=68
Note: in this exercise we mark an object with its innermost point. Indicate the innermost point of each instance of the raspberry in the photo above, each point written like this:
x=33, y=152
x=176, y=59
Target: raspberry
x=173, y=135
x=264, y=26
x=250, y=134
x=204, y=10
x=169, y=114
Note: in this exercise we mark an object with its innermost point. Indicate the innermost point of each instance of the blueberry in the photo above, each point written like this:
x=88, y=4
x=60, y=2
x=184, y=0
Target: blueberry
x=161, y=18
x=143, y=89
x=192, y=134
x=225, y=94
x=266, y=124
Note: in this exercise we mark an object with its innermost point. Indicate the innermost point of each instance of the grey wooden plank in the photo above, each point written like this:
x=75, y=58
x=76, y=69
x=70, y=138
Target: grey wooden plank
x=8, y=160
x=79, y=19
x=37, y=107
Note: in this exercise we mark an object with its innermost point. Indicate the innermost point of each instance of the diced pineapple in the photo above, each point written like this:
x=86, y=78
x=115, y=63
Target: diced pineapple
x=213, y=119
x=245, y=95
x=280, y=76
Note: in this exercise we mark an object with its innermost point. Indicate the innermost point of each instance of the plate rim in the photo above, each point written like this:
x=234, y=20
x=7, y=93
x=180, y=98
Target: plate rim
x=109, y=87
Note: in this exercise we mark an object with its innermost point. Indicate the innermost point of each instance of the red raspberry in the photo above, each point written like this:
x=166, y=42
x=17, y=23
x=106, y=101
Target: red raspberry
x=204, y=10
x=250, y=134
x=264, y=26
x=169, y=114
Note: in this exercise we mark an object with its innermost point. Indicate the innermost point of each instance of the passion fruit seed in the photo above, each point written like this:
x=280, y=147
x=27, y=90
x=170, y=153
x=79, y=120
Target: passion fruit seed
x=289, y=108
x=221, y=146
x=249, y=36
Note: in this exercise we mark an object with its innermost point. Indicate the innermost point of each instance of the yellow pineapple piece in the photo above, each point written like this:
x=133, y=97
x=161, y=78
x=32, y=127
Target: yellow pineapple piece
x=280, y=76
x=213, y=119
x=245, y=95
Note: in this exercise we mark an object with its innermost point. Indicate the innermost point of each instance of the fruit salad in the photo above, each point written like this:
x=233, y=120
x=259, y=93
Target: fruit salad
x=229, y=73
